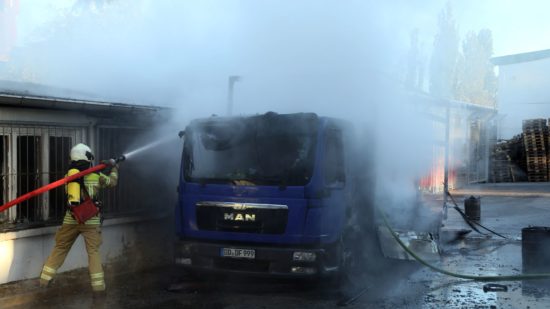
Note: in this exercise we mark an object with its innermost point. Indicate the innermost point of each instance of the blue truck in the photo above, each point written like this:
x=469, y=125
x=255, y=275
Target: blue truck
x=282, y=195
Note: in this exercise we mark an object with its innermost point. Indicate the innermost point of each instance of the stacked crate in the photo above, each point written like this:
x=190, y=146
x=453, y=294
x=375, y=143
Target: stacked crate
x=501, y=167
x=535, y=139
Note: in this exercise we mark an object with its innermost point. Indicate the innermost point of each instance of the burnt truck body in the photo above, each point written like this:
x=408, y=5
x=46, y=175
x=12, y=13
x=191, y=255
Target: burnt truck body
x=272, y=194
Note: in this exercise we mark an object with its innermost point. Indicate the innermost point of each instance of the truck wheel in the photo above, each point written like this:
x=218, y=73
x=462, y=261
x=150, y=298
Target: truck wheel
x=352, y=260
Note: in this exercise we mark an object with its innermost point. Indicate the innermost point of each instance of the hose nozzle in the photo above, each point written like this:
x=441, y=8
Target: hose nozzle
x=114, y=161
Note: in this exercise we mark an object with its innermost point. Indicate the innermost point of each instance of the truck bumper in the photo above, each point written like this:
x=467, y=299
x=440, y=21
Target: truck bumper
x=271, y=261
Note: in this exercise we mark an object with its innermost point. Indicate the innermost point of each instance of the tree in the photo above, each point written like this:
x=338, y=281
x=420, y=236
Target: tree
x=476, y=80
x=414, y=75
x=444, y=56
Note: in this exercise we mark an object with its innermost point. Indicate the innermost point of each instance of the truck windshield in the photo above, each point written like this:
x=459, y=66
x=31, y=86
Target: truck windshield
x=270, y=149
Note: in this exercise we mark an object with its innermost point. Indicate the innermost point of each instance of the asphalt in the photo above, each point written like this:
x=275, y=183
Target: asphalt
x=505, y=208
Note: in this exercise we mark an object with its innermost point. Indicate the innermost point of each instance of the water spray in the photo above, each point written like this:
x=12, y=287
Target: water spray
x=62, y=181
x=146, y=147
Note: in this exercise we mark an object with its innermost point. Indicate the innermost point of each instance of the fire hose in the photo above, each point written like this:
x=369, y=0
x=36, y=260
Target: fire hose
x=471, y=222
x=457, y=275
x=60, y=182
x=349, y=300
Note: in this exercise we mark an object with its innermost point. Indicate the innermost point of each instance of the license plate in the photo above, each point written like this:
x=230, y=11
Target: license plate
x=238, y=253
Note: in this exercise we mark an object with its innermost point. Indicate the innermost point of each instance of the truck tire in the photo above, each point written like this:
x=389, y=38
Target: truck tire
x=352, y=260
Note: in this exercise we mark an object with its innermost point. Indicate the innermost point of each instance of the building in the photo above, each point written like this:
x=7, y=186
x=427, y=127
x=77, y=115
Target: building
x=466, y=132
x=523, y=91
x=36, y=135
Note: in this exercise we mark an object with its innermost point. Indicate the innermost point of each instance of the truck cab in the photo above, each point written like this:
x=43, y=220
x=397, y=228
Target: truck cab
x=269, y=194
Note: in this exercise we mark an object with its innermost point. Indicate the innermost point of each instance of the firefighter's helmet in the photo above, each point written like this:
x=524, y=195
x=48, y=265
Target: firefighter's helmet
x=81, y=152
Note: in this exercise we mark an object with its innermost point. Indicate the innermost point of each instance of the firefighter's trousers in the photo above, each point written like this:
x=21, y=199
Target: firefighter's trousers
x=64, y=239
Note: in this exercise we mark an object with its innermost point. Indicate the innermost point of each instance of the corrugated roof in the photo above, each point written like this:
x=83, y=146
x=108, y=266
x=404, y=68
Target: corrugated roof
x=42, y=96
x=523, y=57
x=44, y=102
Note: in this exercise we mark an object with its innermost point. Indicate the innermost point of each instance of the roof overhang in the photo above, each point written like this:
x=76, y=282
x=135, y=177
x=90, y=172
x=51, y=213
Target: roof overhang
x=44, y=102
x=519, y=58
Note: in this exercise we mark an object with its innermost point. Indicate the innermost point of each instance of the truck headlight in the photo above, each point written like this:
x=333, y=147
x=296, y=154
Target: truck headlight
x=304, y=256
x=303, y=270
x=183, y=261
x=184, y=249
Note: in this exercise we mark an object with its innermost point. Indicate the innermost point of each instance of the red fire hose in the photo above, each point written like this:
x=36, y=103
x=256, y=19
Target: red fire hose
x=50, y=186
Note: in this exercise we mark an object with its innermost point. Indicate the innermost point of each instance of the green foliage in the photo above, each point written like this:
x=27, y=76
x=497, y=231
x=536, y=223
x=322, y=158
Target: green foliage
x=444, y=56
x=467, y=75
x=476, y=80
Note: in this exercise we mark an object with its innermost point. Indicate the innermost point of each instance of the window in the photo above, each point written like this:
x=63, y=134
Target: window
x=334, y=168
x=28, y=176
x=33, y=156
x=132, y=194
x=3, y=175
x=30, y=157
x=59, y=150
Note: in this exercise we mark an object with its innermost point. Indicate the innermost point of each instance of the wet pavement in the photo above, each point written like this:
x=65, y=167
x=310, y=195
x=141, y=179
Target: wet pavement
x=400, y=284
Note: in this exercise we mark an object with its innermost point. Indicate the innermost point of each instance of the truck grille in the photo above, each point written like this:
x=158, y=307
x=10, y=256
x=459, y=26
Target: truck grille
x=242, y=217
x=242, y=265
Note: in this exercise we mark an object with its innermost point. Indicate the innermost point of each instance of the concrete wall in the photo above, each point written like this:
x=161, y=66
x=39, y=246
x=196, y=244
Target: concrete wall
x=523, y=93
x=134, y=243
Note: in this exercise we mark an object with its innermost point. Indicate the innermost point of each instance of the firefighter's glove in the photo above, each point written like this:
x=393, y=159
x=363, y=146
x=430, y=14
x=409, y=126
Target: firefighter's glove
x=110, y=162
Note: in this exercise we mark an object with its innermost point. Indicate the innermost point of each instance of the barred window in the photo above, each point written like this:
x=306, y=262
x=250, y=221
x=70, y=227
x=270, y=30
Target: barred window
x=33, y=156
x=126, y=197
x=30, y=157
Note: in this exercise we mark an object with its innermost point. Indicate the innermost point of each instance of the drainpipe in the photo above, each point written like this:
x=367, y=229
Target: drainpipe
x=446, y=164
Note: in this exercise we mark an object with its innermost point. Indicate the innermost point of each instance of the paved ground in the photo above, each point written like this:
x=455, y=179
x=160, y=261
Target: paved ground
x=504, y=208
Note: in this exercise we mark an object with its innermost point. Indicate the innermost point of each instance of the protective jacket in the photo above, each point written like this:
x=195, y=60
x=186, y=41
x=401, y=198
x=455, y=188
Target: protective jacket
x=92, y=182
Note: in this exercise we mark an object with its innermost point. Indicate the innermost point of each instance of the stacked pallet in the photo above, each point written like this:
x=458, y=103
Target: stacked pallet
x=535, y=139
x=516, y=151
x=501, y=165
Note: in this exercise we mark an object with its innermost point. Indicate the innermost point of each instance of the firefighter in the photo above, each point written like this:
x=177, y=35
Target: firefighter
x=81, y=159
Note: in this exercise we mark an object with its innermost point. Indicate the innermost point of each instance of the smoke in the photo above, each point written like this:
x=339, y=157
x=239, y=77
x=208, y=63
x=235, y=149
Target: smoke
x=335, y=58
x=180, y=53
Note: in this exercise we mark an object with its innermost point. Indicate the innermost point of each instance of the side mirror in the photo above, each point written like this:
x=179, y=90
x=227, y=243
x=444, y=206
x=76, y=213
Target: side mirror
x=181, y=134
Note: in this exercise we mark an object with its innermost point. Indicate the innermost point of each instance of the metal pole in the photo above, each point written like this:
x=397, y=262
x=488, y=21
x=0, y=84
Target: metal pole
x=230, y=85
x=446, y=167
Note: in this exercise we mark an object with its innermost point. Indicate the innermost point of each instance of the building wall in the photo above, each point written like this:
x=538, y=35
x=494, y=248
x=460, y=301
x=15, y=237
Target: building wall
x=523, y=93
x=136, y=243
x=137, y=231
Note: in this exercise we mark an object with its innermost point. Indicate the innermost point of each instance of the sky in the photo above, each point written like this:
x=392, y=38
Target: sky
x=163, y=52
x=518, y=26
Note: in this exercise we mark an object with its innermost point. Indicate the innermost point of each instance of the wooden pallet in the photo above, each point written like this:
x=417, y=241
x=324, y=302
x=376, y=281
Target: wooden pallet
x=537, y=178
x=535, y=140
x=501, y=164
